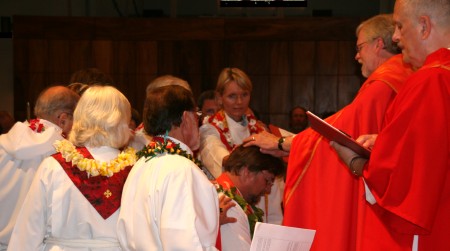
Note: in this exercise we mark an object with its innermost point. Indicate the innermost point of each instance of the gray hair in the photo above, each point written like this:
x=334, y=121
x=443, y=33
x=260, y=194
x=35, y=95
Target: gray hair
x=55, y=100
x=166, y=80
x=437, y=10
x=380, y=26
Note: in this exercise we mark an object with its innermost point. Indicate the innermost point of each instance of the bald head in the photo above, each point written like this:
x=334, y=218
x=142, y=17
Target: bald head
x=55, y=100
x=421, y=28
x=168, y=80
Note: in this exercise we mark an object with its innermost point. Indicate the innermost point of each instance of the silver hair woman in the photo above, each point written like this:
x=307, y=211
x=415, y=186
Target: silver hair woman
x=101, y=118
x=75, y=196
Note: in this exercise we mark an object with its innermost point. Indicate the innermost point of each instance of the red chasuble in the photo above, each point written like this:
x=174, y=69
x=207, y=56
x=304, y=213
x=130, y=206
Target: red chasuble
x=409, y=169
x=321, y=193
x=102, y=192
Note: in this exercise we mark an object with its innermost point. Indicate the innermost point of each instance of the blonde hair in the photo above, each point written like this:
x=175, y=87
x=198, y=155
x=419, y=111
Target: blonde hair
x=101, y=118
x=233, y=74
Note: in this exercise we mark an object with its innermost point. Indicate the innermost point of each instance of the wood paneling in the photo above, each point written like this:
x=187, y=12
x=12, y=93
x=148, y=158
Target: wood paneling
x=291, y=61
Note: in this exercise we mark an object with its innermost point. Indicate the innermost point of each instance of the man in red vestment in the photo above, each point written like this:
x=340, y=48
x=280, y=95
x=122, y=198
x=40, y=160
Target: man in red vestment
x=320, y=192
x=407, y=175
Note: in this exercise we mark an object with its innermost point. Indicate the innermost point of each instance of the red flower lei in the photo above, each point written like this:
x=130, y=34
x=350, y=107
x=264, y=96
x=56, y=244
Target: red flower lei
x=219, y=121
x=36, y=125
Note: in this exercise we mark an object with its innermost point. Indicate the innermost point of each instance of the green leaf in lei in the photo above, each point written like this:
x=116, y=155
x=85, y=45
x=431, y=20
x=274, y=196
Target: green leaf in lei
x=253, y=217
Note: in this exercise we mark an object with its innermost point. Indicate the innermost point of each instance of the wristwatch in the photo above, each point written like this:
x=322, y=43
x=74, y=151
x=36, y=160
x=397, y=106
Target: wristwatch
x=280, y=143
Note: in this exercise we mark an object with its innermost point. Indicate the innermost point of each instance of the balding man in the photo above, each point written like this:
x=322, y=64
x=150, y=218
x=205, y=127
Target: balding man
x=24, y=147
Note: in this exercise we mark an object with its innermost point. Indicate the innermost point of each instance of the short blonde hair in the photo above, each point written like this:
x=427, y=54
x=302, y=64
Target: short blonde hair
x=101, y=118
x=233, y=74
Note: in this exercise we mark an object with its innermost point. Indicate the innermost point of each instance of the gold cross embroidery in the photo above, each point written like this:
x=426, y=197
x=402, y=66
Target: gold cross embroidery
x=107, y=193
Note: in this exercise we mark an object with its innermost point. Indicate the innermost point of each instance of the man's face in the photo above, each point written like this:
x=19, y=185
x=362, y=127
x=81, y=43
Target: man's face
x=366, y=53
x=298, y=118
x=408, y=34
x=191, y=130
x=209, y=107
x=260, y=183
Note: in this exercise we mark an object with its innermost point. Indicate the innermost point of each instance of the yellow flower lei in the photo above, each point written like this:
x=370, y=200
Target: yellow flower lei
x=94, y=167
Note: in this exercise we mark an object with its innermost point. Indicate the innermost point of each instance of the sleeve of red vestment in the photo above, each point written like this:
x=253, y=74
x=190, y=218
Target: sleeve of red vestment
x=408, y=167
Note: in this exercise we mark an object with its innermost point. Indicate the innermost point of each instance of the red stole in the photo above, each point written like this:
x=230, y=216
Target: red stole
x=102, y=192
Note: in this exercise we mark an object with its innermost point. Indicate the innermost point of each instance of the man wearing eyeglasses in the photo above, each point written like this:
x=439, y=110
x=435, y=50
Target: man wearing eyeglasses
x=248, y=174
x=321, y=193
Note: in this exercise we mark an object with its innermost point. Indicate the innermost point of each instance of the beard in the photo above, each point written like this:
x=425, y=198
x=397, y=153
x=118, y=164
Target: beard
x=254, y=199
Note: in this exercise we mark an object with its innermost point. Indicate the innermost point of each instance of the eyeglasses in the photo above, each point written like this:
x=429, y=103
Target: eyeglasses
x=269, y=180
x=360, y=46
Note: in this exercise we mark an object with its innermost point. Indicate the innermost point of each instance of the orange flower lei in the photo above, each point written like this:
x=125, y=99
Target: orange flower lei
x=219, y=121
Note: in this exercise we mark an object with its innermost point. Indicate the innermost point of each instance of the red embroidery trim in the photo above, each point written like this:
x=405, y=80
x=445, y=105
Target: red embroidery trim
x=219, y=121
x=102, y=192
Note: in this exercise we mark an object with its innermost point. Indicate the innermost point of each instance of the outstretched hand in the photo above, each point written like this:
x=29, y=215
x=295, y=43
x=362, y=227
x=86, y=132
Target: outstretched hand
x=267, y=142
x=225, y=203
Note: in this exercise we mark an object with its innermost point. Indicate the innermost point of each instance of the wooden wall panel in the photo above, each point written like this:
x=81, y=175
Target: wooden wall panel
x=260, y=98
x=327, y=61
x=237, y=54
x=303, y=92
x=38, y=55
x=259, y=57
x=167, y=60
x=21, y=60
x=279, y=94
x=347, y=63
x=124, y=57
x=80, y=55
x=303, y=58
x=280, y=59
x=103, y=55
x=296, y=61
x=146, y=57
x=59, y=53
x=325, y=94
x=348, y=87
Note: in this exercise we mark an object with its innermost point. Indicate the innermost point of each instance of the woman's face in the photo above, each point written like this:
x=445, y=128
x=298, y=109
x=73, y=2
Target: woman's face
x=235, y=101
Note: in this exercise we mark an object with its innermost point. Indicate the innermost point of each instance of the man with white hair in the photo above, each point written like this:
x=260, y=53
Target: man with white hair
x=407, y=175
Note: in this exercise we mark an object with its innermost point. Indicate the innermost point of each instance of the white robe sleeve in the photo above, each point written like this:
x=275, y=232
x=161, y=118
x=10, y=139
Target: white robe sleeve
x=32, y=218
x=212, y=150
x=236, y=236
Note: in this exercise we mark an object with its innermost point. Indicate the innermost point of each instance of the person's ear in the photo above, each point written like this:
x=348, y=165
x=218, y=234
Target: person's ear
x=425, y=26
x=380, y=44
x=187, y=121
x=62, y=119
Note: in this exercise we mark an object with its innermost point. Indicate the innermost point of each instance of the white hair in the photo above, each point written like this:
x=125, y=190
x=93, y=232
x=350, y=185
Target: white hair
x=101, y=118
